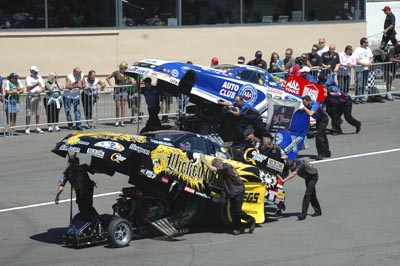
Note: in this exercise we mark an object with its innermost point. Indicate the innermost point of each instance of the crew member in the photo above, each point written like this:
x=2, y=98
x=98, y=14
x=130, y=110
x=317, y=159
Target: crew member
x=310, y=174
x=233, y=190
x=314, y=109
x=389, y=32
x=77, y=176
x=152, y=97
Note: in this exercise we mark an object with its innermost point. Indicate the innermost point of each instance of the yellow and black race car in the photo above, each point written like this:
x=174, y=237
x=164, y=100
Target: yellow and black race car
x=171, y=189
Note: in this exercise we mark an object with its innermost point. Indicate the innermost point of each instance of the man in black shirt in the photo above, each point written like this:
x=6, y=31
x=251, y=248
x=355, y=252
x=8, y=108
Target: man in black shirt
x=77, y=175
x=258, y=61
x=389, y=32
x=233, y=190
x=330, y=59
x=310, y=174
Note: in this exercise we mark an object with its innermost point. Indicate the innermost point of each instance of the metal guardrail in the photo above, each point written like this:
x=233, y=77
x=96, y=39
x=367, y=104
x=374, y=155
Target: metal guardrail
x=103, y=113
x=104, y=108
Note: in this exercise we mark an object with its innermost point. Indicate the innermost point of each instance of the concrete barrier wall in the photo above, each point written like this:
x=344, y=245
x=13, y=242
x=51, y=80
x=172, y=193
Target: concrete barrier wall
x=103, y=49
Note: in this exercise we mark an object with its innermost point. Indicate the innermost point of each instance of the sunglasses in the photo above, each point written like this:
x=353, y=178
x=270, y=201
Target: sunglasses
x=314, y=50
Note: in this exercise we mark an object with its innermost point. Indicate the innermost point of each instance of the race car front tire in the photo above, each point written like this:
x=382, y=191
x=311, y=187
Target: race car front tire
x=119, y=232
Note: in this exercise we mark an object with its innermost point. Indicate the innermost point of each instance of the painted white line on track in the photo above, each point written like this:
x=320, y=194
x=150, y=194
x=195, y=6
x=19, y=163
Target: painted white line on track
x=356, y=156
x=117, y=192
x=52, y=202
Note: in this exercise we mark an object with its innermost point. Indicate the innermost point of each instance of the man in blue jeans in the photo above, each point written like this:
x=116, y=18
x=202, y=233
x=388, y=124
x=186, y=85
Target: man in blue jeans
x=364, y=59
x=74, y=84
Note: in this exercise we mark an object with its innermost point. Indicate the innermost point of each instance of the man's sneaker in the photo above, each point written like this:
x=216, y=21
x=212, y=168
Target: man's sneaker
x=79, y=127
x=252, y=226
x=389, y=97
x=319, y=157
x=121, y=124
x=57, y=129
x=301, y=217
x=116, y=124
x=315, y=214
x=38, y=130
x=238, y=231
x=358, y=128
x=27, y=131
x=50, y=129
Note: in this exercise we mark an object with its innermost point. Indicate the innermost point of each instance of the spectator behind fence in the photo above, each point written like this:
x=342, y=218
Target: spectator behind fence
x=258, y=61
x=347, y=62
x=364, y=58
x=74, y=84
x=241, y=60
x=12, y=89
x=120, y=92
x=165, y=105
x=276, y=65
x=289, y=60
x=314, y=61
x=330, y=59
x=34, y=86
x=133, y=97
x=89, y=95
x=321, y=46
x=53, y=101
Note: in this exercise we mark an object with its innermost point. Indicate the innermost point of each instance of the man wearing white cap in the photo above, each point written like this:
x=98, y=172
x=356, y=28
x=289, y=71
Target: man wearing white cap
x=305, y=74
x=34, y=86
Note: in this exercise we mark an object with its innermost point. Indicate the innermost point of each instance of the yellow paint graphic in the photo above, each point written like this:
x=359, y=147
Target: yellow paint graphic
x=75, y=138
x=175, y=162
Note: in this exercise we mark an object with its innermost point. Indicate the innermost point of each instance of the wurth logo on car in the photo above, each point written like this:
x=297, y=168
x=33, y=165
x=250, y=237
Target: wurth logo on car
x=292, y=87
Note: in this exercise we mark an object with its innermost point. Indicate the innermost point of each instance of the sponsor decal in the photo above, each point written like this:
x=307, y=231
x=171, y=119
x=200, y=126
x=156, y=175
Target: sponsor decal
x=139, y=70
x=293, y=144
x=148, y=173
x=63, y=148
x=74, y=149
x=275, y=165
x=311, y=90
x=292, y=87
x=251, y=197
x=85, y=143
x=139, y=149
x=201, y=194
x=175, y=73
x=229, y=89
x=161, y=142
x=174, y=81
x=190, y=190
x=185, y=145
x=175, y=162
x=111, y=145
x=95, y=153
x=249, y=94
x=117, y=158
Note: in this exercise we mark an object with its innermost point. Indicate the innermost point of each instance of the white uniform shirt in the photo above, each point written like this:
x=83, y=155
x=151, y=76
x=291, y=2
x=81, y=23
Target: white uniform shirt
x=30, y=81
x=73, y=93
x=363, y=55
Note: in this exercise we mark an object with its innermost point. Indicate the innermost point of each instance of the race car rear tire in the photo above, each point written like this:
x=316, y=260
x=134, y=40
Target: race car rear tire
x=119, y=232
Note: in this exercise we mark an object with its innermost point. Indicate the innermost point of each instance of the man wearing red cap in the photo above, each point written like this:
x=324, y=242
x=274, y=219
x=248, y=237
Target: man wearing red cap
x=389, y=32
x=214, y=62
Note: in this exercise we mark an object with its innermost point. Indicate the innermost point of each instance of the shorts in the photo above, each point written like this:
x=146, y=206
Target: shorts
x=11, y=106
x=33, y=106
x=120, y=94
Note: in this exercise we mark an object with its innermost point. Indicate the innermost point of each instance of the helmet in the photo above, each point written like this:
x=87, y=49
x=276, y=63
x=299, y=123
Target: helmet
x=299, y=61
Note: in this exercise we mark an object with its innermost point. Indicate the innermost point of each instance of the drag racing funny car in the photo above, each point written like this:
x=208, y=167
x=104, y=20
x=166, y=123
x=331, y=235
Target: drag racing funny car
x=170, y=187
x=206, y=87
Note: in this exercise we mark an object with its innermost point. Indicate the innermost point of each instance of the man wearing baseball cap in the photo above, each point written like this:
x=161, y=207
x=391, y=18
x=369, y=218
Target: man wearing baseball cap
x=389, y=32
x=34, y=86
x=258, y=61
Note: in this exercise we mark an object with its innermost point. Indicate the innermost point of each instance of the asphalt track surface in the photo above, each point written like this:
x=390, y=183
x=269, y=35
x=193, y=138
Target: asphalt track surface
x=358, y=190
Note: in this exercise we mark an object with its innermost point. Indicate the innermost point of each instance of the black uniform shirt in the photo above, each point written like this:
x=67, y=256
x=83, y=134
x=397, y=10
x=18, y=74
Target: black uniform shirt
x=305, y=169
x=390, y=19
x=232, y=182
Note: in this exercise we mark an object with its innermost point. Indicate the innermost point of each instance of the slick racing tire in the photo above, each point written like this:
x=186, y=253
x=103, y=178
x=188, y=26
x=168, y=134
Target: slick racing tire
x=119, y=232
